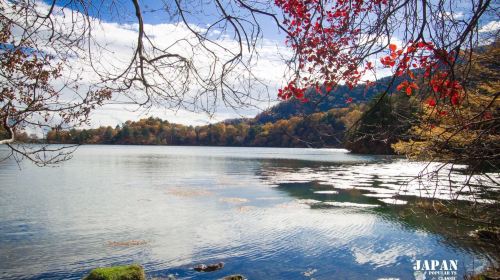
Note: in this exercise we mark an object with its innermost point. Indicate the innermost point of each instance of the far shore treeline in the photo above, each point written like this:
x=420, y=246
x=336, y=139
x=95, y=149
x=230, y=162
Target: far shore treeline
x=324, y=129
x=322, y=122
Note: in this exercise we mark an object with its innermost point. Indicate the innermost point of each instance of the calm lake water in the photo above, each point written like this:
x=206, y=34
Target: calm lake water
x=266, y=213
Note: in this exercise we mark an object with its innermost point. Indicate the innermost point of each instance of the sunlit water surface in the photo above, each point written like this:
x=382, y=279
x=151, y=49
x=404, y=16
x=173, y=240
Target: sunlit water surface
x=266, y=213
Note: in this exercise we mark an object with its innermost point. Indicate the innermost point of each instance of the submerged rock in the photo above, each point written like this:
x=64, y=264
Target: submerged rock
x=234, y=277
x=491, y=273
x=487, y=234
x=310, y=272
x=234, y=200
x=187, y=192
x=125, y=272
x=209, y=268
x=127, y=243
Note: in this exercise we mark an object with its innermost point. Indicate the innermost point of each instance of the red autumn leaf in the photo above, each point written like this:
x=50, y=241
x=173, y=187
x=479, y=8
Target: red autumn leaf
x=400, y=86
x=393, y=47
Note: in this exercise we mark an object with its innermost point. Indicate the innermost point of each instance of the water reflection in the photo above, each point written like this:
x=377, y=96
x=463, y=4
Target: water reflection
x=385, y=179
x=267, y=213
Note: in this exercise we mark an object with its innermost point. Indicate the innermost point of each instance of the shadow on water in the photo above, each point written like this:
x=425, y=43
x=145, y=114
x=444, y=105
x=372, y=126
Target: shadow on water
x=428, y=215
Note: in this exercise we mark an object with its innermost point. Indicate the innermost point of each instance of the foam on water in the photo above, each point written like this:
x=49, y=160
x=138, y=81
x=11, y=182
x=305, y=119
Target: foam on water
x=393, y=179
x=393, y=201
x=326, y=192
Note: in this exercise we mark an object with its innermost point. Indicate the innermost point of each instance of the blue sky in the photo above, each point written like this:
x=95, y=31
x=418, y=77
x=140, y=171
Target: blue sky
x=155, y=12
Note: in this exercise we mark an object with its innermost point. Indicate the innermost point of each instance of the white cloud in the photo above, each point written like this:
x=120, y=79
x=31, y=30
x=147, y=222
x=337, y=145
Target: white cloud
x=113, y=114
x=452, y=16
x=491, y=26
x=119, y=40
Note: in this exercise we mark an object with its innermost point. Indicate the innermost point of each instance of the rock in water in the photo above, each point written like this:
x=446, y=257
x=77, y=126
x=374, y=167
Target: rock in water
x=125, y=272
x=234, y=277
x=487, y=234
x=209, y=268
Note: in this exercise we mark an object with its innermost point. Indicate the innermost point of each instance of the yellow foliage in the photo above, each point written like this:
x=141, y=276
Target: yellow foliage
x=466, y=132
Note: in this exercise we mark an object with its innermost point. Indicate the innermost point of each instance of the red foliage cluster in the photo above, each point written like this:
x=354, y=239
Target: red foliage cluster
x=326, y=40
x=322, y=39
x=435, y=64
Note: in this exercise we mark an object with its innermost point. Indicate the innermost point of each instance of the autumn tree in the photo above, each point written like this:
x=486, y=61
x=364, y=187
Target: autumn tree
x=33, y=93
x=464, y=133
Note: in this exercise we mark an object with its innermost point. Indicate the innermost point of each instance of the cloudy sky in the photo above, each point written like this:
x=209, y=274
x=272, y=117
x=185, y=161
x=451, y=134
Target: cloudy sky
x=117, y=30
x=120, y=38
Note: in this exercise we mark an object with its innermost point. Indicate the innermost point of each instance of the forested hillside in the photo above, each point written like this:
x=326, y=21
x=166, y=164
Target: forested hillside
x=340, y=97
x=323, y=129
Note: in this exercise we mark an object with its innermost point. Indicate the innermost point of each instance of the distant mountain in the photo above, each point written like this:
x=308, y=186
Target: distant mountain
x=326, y=101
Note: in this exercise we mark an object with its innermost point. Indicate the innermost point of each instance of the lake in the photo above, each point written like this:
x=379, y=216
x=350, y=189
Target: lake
x=267, y=213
